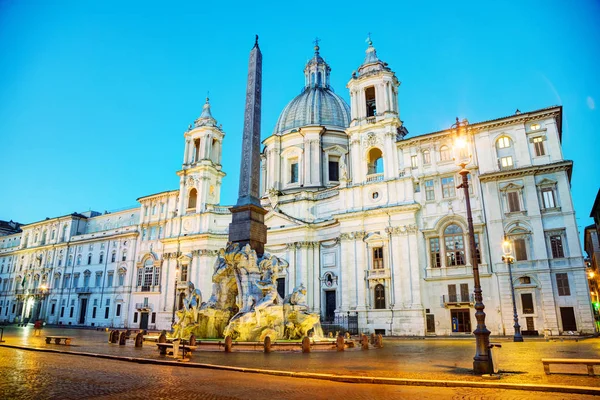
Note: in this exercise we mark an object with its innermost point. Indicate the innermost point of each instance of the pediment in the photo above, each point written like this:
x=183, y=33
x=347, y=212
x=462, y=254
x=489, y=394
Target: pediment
x=275, y=219
x=374, y=238
x=546, y=182
x=511, y=186
x=335, y=150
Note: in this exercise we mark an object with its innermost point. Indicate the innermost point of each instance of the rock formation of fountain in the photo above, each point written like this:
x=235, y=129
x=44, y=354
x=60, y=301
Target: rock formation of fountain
x=244, y=303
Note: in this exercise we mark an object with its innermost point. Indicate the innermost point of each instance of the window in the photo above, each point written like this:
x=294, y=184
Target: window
x=294, y=171
x=464, y=292
x=503, y=142
x=144, y=233
x=370, y=102
x=135, y=314
x=94, y=312
x=124, y=255
x=113, y=256
x=52, y=235
x=426, y=157
x=455, y=247
x=184, y=273
x=118, y=312
x=374, y=161
x=79, y=259
x=417, y=187
x=192, y=197
x=98, y=280
x=109, y=280
x=527, y=302
x=121, y=279
x=556, y=246
x=520, y=249
x=334, y=170
x=153, y=318
x=525, y=280
x=535, y=127
x=153, y=233
x=448, y=187
x=378, y=258
x=548, y=198
x=162, y=208
x=445, y=153
x=538, y=146
x=413, y=161
x=477, y=249
x=379, y=297
x=66, y=281
x=434, y=251
x=160, y=232
x=86, y=280
x=89, y=260
x=506, y=162
x=429, y=190
x=513, y=201
x=562, y=284
x=154, y=209
x=106, y=312
x=101, y=258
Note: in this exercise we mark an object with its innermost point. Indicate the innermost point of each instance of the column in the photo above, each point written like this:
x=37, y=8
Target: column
x=346, y=279
x=186, y=151
x=361, y=264
x=316, y=275
x=316, y=163
x=413, y=258
x=307, y=163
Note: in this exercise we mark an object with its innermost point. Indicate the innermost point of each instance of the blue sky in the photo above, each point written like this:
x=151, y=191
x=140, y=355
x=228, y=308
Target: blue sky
x=95, y=96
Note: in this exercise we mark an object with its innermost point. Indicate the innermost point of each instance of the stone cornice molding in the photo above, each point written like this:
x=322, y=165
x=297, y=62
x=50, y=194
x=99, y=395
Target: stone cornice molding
x=412, y=207
x=565, y=165
x=402, y=229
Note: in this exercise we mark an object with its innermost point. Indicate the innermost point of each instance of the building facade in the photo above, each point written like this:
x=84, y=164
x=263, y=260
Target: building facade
x=369, y=219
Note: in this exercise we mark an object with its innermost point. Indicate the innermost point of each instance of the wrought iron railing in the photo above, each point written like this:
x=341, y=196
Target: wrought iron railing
x=340, y=324
x=458, y=299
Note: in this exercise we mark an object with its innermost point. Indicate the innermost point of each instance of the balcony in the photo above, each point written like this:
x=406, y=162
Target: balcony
x=145, y=288
x=144, y=306
x=378, y=273
x=455, y=299
x=375, y=177
x=83, y=290
x=371, y=120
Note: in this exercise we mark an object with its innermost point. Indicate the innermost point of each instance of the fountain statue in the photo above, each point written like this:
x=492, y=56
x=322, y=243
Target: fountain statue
x=244, y=302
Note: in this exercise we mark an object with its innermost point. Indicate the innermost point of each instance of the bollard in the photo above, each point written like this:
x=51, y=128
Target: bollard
x=122, y=339
x=267, y=344
x=192, y=340
x=364, y=341
x=115, y=337
x=372, y=340
x=110, y=334
x=139, y=339
x=162, y=338
x=379, y=341
x=128, y=333
x=339, y=343
x=176, y=348
x=306, y=344
x=228, y=344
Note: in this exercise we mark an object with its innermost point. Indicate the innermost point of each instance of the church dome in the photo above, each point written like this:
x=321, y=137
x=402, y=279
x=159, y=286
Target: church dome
x=317, y=104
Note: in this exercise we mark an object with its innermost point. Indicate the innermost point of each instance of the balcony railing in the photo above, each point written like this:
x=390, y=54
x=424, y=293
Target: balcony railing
x=458, y=299
x=375, y=177
x=378, y=273
x=144, y=306
x=371, y=120
x=82, y=290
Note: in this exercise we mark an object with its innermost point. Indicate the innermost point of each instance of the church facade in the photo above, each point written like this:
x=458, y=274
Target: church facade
x=370, y=220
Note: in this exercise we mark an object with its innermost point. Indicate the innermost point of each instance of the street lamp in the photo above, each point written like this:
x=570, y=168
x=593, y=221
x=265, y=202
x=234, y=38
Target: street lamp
x=509, y=259
x=481, y=361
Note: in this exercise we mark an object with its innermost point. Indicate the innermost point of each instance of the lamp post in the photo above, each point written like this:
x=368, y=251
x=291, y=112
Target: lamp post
x=509, y=260
x=481, y=361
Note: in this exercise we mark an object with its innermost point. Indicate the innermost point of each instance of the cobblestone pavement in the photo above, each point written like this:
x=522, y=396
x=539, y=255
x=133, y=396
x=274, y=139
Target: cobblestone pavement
x=40, y=376
x=400, y=358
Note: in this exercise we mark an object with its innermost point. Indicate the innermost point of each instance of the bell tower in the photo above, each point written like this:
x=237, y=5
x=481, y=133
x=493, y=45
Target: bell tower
x=375, y=120
x=200, y=176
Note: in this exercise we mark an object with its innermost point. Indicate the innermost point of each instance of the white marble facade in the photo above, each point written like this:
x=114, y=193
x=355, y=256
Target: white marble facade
x=369, y=220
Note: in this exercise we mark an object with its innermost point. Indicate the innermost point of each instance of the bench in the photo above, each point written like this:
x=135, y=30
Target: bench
x=589, y=362
x=57, y=339
x=162, y=348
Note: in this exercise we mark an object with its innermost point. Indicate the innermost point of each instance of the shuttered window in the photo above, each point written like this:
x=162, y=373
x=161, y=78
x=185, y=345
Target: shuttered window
x=513, y=201
x=562, y=284
x=520, y=250
x=527, y=301
x=556, y=246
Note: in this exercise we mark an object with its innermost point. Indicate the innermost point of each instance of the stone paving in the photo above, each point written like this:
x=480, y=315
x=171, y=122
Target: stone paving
x=400, y=358
x=40, y=376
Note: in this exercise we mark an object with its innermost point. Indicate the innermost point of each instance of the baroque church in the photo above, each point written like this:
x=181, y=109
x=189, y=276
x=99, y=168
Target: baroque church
x=370, y=221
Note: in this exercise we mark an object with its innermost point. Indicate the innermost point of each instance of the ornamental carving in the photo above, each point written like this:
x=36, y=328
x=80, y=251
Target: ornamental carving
x=402, y=230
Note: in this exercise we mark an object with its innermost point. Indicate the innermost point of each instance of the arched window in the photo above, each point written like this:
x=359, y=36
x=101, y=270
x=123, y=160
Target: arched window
x=89, y=260
x=122, y=272
x=79, y=259
x=426, y=157
x=375, y=161
x=43, y=238
x=113, y=256
x=124, y=255
x=70, y=261
x=64, y=233
x=455, y=245
x=379, y=297
x=192, y=197
x=86, y=278
x=445, y=153
x=101, y=258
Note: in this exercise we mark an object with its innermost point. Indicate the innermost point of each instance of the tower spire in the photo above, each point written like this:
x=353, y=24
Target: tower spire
x=247, y=226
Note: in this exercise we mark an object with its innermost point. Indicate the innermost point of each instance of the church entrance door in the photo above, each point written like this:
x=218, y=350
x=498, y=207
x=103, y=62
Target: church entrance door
x=144, y=320
x=330, y=305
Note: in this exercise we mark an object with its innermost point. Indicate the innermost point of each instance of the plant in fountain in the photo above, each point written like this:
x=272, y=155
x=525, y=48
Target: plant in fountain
x=244, y=303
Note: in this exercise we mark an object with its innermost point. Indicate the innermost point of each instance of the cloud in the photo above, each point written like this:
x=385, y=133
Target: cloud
x=590, y=102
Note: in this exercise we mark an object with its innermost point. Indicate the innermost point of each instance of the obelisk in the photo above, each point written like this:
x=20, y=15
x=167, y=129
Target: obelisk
x=247, y=222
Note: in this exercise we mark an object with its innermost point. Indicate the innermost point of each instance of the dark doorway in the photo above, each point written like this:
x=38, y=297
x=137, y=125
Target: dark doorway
x=281, y=287
x=567, y=315
x=82, y=311
x=330, y=305
x=144, y=320
x=461, y=320
x=430, y=323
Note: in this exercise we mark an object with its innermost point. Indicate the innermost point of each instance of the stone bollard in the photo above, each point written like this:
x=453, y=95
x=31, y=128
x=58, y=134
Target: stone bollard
x=115, y=337
x=267, y=344
x=228, y=344
x=176, y=343
x=372, y=339
x=364, y=341
x=139, y=339
x=306, y=344
x=339, y=343
x=122, y=338
x=110, y=336
x=347, y=336
x=192, y=340
x=162, y=338
x=379, y=341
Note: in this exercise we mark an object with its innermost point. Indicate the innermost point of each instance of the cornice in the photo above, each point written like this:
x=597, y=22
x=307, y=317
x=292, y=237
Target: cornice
x=565, y=165
x=412, y=207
